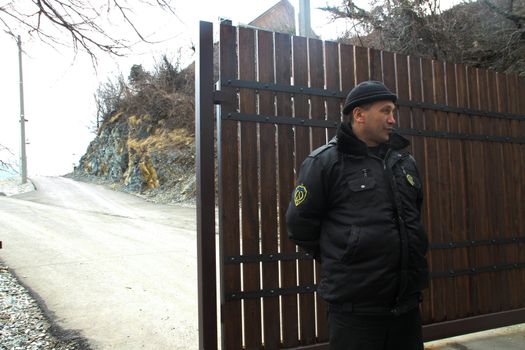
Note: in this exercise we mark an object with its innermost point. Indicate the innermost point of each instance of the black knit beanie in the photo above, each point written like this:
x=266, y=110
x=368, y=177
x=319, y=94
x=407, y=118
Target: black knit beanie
x=367, y=92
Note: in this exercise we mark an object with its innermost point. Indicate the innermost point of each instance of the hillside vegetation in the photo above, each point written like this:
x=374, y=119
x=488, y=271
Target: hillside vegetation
x=145, y=138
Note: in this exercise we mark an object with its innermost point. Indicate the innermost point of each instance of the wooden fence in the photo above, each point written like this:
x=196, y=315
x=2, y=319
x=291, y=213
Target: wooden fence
x=280, y=96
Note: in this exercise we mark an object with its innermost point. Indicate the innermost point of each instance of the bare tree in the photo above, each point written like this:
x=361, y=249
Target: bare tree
x=82, y=21
x=7, y=166
x=484, y=33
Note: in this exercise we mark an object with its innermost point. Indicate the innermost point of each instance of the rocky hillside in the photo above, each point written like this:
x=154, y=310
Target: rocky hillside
x=145, y=145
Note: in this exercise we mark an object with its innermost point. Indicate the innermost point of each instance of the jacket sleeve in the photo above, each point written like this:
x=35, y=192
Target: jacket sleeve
x=305, y=212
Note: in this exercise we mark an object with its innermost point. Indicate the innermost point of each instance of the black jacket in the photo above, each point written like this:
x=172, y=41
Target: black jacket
x=359, y=214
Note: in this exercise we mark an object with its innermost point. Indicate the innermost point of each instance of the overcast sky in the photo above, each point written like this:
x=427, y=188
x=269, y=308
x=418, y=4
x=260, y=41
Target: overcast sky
x=59, y=87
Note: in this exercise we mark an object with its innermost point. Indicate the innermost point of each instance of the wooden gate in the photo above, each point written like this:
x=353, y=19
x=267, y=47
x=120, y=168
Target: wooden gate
x=279, y=97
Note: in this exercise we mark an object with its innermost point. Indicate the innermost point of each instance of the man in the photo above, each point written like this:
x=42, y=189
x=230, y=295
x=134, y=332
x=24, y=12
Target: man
x=356, y=209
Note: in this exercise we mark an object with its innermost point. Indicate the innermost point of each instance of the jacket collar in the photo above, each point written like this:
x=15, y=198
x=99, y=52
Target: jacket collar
x=347, y=141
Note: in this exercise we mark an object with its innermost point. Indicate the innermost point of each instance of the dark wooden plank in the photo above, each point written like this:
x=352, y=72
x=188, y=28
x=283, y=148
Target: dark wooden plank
x=205, y=186
x=496, y=196
x=475, y=190
x=389, y=75
x=389, y=71
x=268, y=190
x=317, y=108
x=520, y=108
x=418, y=150
x=433, y=192
x=458, y=208
x=417, y=121
x=333, y=105
x=249, y=194
x=361, y=64
x=229, y=196
x=478, y=223
x=443, y=214
x=517, y=210
x=403, y=92
x=347, y=76
x=507, y=204
x=283, y=73
x=302, y=149
x=462, y=84
x=489, y=253
x=376, y=72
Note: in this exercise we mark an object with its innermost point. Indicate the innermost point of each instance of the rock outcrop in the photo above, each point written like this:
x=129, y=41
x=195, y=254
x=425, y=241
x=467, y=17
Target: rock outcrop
x=138, y=155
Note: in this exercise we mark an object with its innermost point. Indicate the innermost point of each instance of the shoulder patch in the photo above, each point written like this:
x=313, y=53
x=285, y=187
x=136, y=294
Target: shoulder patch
x=299, y=194
x=321, y=149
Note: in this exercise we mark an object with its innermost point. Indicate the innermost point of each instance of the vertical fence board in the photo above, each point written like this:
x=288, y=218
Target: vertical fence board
x=479, y=207
x=470, y=158
x=418, y=151
x=507, y=206
x=361, y=64
x=515, y=212
x=432, y=184
x=229, y=195
x=403, y=93
x=459, y=258
x=333, y=105
x=443, y=227
x=317, y=112
x=374, y=64
x=520, y=88
x=205, y=190
x=267, y=150
x=285, y=143
x=249, y=185
x=302, y=149
x=347, y=72
x=520, y=109
x=468, y=149
x=316, y=74
x=497, y=196
x=388, y=69
x=490, y=253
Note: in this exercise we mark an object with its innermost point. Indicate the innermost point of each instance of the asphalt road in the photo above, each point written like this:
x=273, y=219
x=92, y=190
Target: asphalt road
x=116, y=268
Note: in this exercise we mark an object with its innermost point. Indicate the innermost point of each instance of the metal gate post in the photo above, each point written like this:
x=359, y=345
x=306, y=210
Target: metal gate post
x=204, y=123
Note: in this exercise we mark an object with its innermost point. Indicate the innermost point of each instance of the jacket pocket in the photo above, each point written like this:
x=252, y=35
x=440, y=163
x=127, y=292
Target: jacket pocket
x=362, y=190
x=352, y=244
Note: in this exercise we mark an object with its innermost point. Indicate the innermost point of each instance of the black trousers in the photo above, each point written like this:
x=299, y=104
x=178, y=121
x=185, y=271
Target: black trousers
x=348, y=331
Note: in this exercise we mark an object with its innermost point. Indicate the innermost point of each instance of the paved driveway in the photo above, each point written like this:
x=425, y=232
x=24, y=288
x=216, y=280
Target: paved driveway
x=120, y=270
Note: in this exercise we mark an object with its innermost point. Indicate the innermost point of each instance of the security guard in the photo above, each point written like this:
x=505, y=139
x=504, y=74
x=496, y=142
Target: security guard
x=357, y=209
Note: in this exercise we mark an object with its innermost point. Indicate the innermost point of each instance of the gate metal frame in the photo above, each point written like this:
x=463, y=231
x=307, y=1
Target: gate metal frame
x=205, y=98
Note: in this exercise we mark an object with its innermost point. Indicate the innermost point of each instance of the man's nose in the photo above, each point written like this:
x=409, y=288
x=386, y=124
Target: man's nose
x=391, y=119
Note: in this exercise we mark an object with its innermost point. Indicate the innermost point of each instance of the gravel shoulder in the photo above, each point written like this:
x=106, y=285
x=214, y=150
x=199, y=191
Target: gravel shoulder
x=25, y=325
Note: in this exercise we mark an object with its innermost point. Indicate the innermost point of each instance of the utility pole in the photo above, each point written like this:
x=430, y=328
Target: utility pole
x=305, y=25
x=23, y=159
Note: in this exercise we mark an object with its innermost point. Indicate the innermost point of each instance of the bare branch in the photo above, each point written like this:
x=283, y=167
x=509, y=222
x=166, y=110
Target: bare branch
x=83, y=22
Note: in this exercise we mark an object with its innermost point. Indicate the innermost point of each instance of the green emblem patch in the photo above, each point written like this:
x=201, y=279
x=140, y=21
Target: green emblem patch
x=299, y=195
x=410, y=180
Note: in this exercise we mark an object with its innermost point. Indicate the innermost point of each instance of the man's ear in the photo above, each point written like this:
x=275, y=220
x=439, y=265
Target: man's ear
x=358, y=115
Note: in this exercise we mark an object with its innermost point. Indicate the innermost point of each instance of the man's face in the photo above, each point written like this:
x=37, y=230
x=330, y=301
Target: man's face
x=375, y=122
